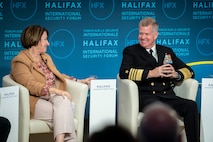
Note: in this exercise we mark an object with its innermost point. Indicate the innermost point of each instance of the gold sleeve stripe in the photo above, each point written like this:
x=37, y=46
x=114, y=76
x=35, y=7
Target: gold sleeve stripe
x=186, y=73
x=131, y=72
x=135, y=74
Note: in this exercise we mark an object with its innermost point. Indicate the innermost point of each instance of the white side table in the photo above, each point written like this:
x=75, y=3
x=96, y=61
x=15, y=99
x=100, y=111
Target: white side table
x=206, y=109
x=9, y=108
x=102, y=104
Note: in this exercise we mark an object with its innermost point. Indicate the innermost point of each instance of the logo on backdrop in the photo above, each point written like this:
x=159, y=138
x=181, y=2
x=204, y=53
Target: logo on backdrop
x=204, y=41
x=12, y=44
x=100, y=43
x=176, y=38
x=174, y=9
x=23, y=10
x=62, y=47
x=62, y=10
x=1, y=8
x=131, y=37
x=102, y=9
x=136, y=10
x=202, y=10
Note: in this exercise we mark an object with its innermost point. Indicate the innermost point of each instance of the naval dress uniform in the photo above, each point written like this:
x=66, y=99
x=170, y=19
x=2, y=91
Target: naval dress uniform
x=135, y=66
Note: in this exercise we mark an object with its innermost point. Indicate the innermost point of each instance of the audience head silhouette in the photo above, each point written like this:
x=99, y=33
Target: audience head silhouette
x=112, y=134
x=159, y=124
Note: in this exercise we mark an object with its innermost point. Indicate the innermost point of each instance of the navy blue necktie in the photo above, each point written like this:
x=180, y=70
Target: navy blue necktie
x=151, y=51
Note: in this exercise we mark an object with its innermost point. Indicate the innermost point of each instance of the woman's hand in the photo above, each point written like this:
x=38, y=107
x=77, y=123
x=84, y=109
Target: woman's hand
x=60, y=93
x=86, y=80
x=65, y=94
x=70, y=77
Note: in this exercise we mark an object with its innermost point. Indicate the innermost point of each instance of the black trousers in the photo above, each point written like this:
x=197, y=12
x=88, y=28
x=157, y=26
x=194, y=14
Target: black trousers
x=184, y=108
x=5, y=127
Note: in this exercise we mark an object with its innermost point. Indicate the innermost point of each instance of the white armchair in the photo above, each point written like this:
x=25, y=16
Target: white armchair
x=29, y=126
x=128, y=102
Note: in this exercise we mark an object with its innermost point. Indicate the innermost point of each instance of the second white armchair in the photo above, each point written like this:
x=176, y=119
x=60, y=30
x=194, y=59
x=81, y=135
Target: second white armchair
x=128, y=102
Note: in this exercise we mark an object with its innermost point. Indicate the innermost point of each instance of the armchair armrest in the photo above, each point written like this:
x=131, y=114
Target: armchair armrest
x=79, y=92
x=187, y=89
x=24, y=107
x=128, y=104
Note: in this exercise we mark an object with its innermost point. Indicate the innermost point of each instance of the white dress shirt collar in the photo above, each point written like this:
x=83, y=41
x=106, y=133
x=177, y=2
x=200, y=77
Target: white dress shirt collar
x=154, y=53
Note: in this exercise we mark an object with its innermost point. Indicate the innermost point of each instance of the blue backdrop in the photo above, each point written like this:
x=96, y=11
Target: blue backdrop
x=87, y=37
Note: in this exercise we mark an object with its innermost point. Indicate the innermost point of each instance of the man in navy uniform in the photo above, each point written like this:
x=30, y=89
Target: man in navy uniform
x=156, y=69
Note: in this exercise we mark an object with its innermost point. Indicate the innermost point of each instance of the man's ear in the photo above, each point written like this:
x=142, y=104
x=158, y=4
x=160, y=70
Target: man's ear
x=156, y=35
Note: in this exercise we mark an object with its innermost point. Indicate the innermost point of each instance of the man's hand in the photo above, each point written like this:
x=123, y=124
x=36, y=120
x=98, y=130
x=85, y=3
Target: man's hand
x=166, y=70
